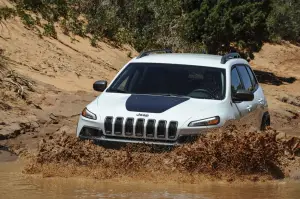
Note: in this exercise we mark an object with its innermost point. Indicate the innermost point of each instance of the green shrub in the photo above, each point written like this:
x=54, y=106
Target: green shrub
x=49, y=30
x=6, y=13
x=94, y=41
x=129, y=54
x=27, y=19
x=187, y=26
x=284, y=20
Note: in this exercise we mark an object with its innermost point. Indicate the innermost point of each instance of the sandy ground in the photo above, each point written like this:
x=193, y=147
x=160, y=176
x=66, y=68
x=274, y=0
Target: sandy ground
x=278, y=70
x=57, y=77
x=60, y=73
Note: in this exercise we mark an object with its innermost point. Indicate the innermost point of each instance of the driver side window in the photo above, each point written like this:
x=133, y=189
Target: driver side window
x=245, y=78
x=123, y=85
x=236, y=83
x=128, y=79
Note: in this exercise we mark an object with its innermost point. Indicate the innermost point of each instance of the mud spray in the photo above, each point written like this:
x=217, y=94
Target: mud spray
x=228, y=154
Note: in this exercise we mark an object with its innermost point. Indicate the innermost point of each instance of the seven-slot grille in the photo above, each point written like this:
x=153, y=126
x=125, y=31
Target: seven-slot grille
x=129, y=126
x=150, y=128
x=108, y=125
x=119, y=126
x=140, y=127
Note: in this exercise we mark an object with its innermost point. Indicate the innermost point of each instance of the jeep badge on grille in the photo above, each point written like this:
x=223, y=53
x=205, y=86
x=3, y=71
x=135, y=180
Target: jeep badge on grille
x=142, y=115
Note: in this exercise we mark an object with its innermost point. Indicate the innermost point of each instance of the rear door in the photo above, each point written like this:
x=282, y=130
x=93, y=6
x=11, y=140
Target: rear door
x=259, y=97
x=240, y=79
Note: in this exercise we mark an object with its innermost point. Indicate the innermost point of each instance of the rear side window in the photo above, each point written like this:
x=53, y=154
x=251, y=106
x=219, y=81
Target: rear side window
x=236, y=83
x=245, y=78
x=252, y=77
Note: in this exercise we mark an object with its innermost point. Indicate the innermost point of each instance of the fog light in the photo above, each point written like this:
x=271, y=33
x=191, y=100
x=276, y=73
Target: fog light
x=91, y=132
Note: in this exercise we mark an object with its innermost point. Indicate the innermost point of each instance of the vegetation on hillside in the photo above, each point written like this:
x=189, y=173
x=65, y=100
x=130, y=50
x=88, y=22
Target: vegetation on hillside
x=284, y=20
x=210, y=26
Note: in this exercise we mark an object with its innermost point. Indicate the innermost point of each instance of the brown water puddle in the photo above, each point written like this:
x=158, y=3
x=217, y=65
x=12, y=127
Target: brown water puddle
x=14, y=184
x=6, y=156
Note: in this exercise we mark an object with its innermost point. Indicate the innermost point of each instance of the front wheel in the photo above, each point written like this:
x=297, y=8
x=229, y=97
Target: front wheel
x=266, y=121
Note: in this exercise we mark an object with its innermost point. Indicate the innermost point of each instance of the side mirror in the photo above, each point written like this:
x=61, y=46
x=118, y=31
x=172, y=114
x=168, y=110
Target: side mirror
x=100, y=85
x=243, y=95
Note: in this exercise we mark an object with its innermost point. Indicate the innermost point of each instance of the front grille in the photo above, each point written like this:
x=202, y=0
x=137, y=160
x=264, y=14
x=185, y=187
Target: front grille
x=161, y=129
x=141, y=128
x=150, y=128
x=119, y=126
x=129, y=126
x=172, y=129
x=108, y=125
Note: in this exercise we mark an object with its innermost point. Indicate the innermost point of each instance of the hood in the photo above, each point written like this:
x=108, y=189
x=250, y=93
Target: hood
x=152, y=106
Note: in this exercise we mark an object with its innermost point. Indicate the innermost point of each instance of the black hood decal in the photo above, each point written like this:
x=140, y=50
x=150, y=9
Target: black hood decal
x=152, y=103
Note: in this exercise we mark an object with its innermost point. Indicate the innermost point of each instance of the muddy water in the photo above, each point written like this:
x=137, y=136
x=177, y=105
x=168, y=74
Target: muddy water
x=14, y=184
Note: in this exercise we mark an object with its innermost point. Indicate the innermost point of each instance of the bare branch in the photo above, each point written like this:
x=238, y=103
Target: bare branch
x=2, y=73
x=20, y=88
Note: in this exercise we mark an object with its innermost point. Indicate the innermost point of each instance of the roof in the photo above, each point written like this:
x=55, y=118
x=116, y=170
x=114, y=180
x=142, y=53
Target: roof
x=188, y=59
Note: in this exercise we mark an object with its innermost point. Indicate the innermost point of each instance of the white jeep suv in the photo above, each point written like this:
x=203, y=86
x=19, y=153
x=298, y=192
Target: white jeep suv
x=164, y=98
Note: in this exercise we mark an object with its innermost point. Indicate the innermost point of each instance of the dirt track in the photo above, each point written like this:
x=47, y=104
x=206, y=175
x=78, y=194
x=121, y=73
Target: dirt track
x=57, y=76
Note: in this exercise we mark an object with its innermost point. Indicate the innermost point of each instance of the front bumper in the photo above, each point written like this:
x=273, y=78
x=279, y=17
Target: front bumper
x=132, y=141
x=93, y=130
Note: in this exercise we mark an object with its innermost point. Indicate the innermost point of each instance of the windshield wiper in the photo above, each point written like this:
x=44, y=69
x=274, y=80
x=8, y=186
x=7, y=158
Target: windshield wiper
x=169, y=94
x=174, y=95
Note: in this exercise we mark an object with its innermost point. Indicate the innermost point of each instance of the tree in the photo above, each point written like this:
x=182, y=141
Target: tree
x=284, y=20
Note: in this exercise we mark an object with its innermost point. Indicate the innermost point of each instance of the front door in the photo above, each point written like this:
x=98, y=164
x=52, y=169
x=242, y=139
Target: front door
x=247, y=110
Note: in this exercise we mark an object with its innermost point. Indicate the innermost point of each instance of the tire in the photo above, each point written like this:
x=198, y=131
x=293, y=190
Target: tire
x=266, y=121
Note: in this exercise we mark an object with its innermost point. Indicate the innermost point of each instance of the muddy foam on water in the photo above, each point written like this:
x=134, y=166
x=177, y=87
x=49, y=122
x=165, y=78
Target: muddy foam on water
x=228, y=154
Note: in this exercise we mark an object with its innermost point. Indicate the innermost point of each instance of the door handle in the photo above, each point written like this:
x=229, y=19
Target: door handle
x=261, y=101
x=249, y=107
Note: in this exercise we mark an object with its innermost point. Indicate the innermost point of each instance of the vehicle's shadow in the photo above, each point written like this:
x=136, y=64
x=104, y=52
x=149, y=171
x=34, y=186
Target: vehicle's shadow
x=271, y=79
x=276, y=171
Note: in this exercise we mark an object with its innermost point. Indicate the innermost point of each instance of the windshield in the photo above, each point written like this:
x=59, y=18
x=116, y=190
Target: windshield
x=171, y=79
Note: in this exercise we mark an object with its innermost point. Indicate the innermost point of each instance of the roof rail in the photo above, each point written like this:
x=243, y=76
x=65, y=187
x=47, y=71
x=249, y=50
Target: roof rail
x=146, y=53
x=228, y=56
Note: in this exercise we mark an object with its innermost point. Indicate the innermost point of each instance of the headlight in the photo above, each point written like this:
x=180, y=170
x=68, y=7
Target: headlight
x=88, y=114
x=205, y=122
